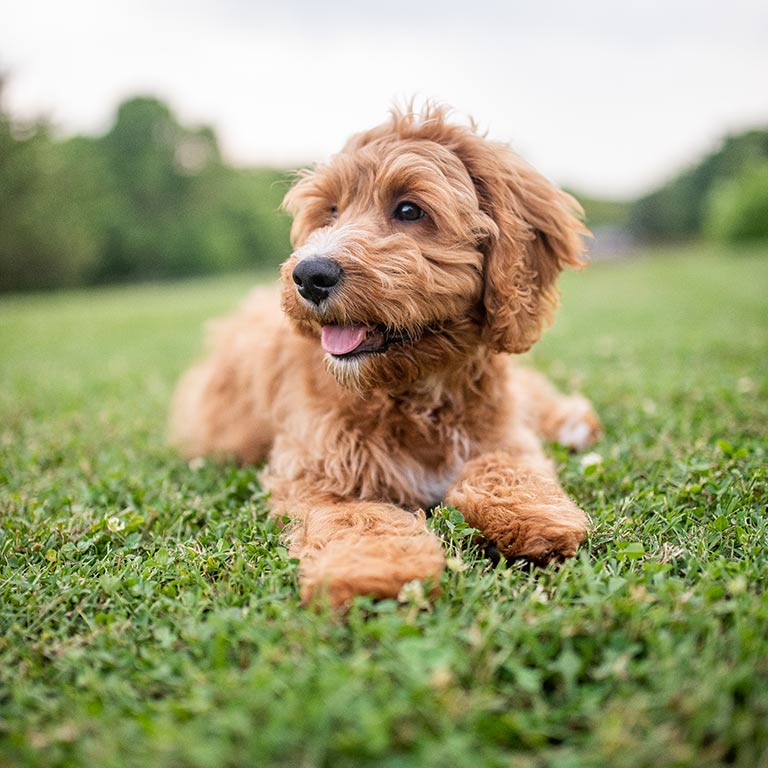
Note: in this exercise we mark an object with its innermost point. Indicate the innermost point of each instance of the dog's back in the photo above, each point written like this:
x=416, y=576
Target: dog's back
x=222, y=405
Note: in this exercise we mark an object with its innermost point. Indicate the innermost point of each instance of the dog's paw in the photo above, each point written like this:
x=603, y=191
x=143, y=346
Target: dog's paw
x=545, y=541
x=578, y=426
x=378, y=566
x=523, y=514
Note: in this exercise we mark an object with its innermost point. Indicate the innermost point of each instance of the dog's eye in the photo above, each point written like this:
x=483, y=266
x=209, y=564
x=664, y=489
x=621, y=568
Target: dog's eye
x=334, y=211
x=406, y=211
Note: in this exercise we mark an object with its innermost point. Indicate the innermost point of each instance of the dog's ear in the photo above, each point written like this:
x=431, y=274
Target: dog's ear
x=295, y=202
x=539, y=233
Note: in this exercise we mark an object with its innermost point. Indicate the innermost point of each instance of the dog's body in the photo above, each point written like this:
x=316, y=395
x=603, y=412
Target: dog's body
x=423, y=254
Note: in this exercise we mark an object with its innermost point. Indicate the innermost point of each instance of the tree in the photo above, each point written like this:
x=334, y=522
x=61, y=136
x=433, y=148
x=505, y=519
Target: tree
x=149, y=199
x=44, y=242
x=737, y=209
x=679, y=208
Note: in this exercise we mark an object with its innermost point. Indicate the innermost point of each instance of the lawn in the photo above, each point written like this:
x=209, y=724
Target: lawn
x=148, y=612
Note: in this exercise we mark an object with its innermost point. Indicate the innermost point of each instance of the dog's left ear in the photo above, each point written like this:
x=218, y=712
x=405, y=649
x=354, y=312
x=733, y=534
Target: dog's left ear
x=539, y=233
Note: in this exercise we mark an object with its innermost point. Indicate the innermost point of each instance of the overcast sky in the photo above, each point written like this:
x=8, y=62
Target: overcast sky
x=609, y=96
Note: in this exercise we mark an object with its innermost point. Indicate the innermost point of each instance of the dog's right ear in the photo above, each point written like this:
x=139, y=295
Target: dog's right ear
x=539, y=233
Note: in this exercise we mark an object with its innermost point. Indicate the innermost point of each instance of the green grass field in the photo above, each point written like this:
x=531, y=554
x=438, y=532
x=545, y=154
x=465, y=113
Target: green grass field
x=148, y=612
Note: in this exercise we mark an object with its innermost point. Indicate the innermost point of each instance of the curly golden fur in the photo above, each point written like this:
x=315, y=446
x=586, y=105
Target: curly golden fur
x=386, y=384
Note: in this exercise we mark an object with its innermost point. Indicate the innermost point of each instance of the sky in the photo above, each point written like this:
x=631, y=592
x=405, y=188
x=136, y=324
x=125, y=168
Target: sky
x=610, y=97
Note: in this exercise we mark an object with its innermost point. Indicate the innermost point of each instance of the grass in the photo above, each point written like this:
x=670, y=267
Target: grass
x=148, y=612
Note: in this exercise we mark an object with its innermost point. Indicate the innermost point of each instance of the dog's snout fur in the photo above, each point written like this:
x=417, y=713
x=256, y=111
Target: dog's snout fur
x=316, y=278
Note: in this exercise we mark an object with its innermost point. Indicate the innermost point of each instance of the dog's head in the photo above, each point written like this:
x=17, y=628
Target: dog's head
x=420, y=244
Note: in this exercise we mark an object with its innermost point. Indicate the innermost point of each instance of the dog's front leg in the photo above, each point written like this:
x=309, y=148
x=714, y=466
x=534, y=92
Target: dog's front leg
x=349, y=548
x=514, y=499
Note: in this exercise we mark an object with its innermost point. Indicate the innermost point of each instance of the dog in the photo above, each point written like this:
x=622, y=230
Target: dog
x=425, y=256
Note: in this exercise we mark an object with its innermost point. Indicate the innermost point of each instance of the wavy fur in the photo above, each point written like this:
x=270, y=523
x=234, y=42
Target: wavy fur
x=355, y=448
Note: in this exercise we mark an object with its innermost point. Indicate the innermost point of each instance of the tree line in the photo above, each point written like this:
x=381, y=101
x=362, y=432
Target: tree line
x=148, y=199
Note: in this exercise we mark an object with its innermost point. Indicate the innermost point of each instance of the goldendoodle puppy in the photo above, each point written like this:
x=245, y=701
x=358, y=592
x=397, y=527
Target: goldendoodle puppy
x=424, y=255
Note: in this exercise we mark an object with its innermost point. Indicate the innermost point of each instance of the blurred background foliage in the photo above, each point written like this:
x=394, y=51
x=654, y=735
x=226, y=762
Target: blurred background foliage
x=724, y=195
x=153, y=199
x=149, y=199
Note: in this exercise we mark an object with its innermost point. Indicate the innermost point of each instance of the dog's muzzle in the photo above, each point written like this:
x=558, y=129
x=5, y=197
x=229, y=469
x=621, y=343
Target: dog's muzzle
x=316, y=277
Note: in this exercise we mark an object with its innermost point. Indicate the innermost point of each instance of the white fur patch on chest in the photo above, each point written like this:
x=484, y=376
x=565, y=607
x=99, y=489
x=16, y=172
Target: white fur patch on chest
x=428, y=484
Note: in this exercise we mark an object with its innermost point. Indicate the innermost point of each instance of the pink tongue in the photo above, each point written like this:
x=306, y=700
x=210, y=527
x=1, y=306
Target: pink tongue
x=341, y=339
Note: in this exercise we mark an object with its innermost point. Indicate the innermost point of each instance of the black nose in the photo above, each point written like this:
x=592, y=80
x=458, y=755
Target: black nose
x=316, y=277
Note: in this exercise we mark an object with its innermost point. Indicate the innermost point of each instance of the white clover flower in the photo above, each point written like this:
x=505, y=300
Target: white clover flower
x=539, y=595
x=456, y=564
x=411, y=592
x=591, y=459
x=115, y=524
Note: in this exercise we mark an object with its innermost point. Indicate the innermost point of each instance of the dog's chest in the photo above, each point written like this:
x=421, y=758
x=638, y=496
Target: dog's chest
x=425, y=456
x=425, y=486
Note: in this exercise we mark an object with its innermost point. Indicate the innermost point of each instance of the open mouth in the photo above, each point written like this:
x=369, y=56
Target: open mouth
x=348, y=341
